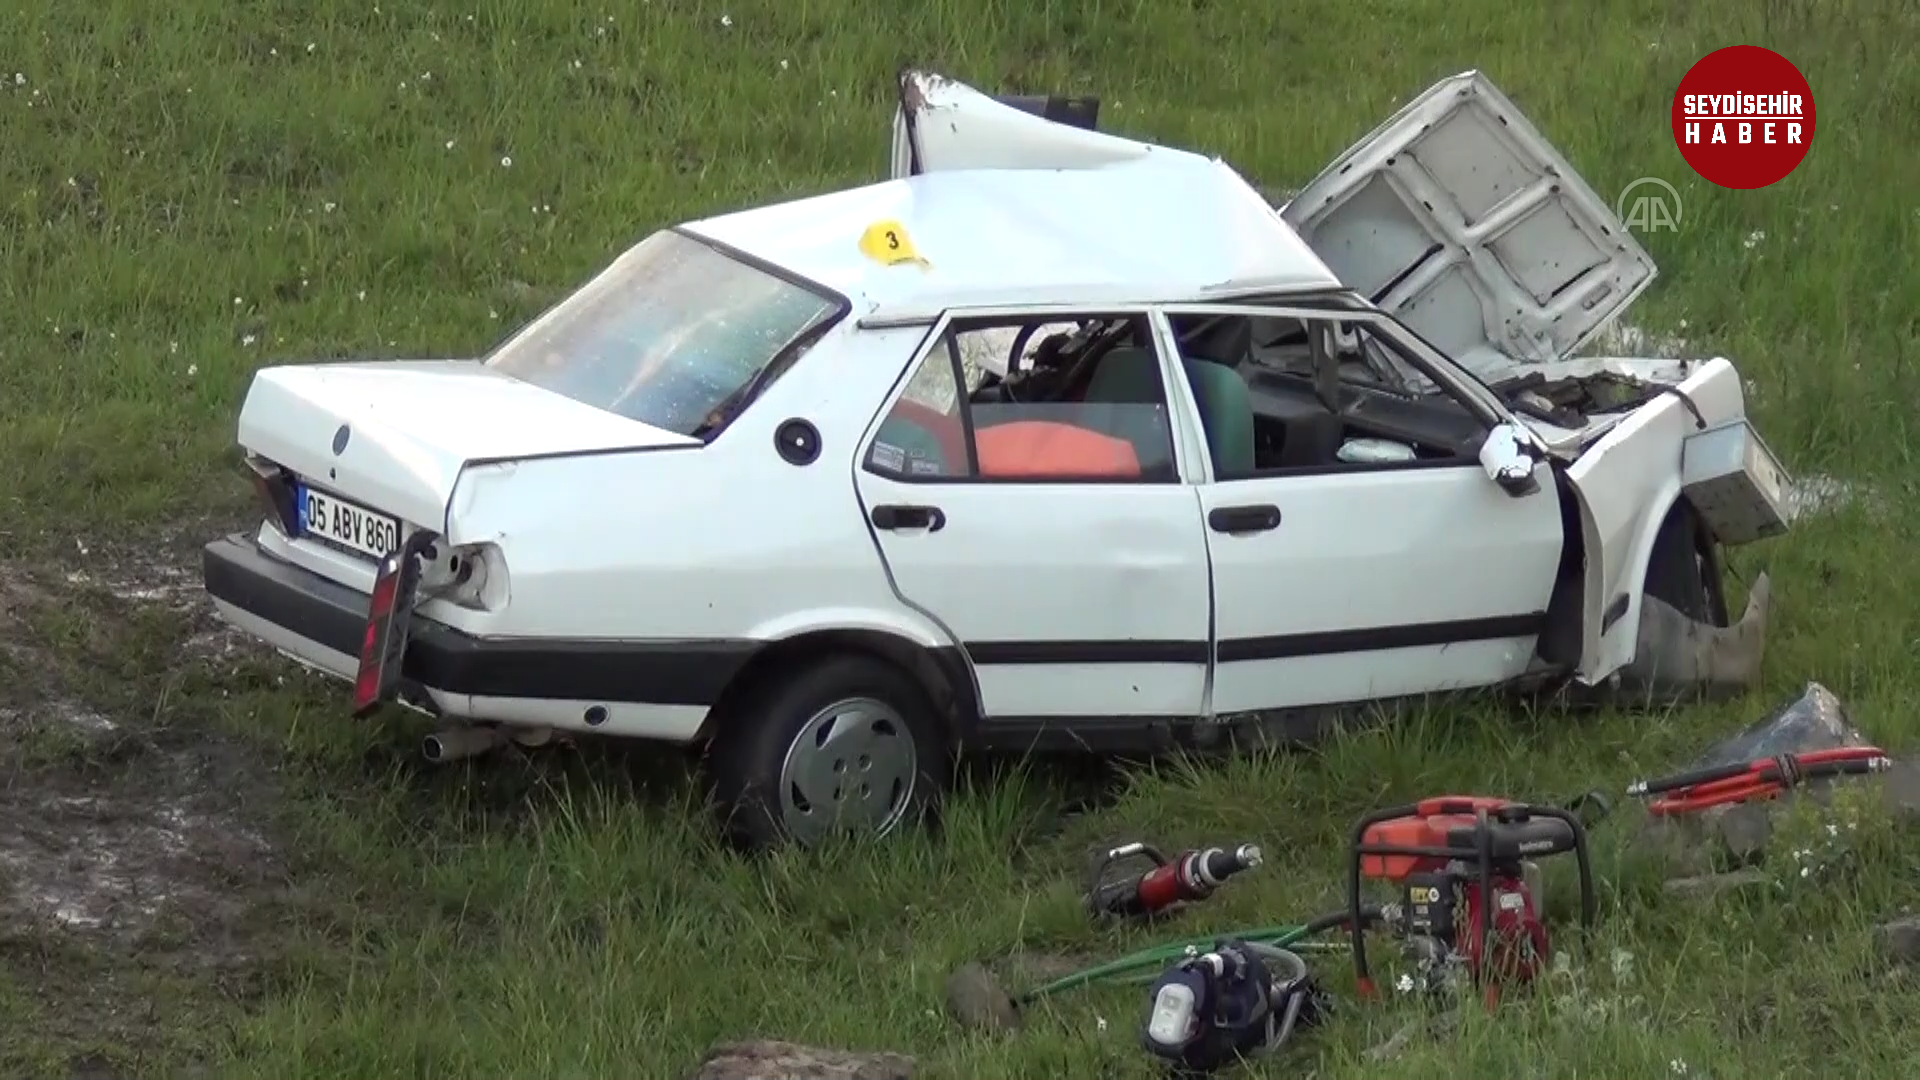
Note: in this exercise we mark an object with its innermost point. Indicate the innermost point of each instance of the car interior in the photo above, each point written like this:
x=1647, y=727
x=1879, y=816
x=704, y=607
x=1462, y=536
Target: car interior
x=1086, y=401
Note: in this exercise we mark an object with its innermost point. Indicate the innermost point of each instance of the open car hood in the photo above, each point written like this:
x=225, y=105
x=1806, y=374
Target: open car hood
x=1461, y=219
x=1455, y=214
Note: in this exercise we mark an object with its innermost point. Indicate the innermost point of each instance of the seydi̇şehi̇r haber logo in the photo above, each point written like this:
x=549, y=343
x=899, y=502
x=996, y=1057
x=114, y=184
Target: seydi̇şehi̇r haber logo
x=1743, y=117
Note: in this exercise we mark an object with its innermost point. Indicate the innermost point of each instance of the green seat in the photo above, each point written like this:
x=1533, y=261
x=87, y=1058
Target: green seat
x=1226, y=414
x=1132, y=376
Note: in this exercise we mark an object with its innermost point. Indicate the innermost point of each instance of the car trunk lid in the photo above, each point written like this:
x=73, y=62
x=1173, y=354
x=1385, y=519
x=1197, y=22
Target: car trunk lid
x=1461, y=219
x=395, y=435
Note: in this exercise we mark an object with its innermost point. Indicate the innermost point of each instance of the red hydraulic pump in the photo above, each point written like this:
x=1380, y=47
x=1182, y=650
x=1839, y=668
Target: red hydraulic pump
x=1460, y=863
x=1165, y=883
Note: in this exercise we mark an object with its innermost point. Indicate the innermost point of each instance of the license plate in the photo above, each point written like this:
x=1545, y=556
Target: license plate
x=325, y=516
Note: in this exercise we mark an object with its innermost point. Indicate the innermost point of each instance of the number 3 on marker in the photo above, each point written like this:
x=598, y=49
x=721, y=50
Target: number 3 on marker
x=888, y=243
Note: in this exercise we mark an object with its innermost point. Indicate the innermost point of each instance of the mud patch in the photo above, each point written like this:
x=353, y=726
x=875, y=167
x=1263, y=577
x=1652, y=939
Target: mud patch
x=116, y=863
x=138, y=869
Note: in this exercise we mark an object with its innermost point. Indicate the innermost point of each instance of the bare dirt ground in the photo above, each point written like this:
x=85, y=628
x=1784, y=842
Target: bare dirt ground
x=137, y=846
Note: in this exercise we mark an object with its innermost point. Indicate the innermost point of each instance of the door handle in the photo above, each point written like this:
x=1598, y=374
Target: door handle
x=890, y=517
x=1244, y=519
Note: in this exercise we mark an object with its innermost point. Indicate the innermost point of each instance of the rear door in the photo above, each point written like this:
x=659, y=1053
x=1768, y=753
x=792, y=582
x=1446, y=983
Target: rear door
x=1457, y=216
x=942, y=124
x=1078, y=590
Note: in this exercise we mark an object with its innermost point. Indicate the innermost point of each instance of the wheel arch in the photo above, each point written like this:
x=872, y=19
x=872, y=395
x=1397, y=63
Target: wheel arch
x=1618, y=613
x=941, y=671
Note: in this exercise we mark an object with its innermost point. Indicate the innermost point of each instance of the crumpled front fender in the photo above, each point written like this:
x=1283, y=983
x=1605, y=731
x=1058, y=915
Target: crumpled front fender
x=1680, y=659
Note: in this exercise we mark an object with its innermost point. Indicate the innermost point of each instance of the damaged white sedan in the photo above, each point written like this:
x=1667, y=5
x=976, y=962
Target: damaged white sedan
x=1055, y=438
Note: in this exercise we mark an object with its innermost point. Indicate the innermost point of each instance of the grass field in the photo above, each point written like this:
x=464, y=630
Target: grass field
x=206, y=870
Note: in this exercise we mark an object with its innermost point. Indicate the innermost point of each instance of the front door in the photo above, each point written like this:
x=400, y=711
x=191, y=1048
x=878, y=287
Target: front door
x=1359, y=549
x=1052, y=538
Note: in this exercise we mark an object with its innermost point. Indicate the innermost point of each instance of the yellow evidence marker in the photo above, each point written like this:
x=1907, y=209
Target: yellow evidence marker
x=887, y=242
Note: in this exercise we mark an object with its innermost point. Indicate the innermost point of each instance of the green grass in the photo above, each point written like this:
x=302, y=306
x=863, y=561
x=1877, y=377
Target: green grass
x=195, y=189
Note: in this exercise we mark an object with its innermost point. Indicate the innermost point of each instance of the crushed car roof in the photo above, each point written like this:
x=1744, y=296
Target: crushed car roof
x=1172, y=226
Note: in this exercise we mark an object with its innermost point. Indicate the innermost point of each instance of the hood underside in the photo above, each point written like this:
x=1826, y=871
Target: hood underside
x=1459, y=217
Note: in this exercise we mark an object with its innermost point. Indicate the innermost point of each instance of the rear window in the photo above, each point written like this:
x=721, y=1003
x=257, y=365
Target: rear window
x=676, y=333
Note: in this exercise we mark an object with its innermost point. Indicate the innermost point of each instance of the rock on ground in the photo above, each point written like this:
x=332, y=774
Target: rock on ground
x=763, y=1059
x=1899, y=940
x=1693, y=888
x=976, y=1000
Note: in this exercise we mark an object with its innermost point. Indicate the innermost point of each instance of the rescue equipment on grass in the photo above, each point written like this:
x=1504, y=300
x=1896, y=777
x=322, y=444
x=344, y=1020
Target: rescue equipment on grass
x=1165, y=883
x=1462, y=866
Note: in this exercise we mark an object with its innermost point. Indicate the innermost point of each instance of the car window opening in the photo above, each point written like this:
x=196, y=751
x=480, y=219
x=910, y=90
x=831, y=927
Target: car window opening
x=1058, y=399
x=676, y=333
x=1281, y=394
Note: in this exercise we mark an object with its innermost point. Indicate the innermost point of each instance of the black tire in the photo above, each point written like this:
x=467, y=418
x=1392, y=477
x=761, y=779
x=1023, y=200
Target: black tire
x=1684, y=567
x=760, y=727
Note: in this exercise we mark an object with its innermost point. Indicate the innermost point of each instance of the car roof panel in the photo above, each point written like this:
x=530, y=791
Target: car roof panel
x=1173, y=226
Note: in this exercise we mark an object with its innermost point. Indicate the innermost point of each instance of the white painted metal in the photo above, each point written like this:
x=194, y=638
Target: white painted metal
x=1736, y=483
x=1173, y=228
x=1459, y=217
x=1365, y=550
x=1627, y=481
x=1039, y=562
x=414, y=425
x=956, y=128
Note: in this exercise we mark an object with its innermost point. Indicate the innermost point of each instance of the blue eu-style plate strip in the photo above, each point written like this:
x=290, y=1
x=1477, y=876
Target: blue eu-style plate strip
x=300, y=525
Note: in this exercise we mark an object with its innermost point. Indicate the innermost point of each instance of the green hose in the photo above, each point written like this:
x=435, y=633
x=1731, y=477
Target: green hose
x=1159, y=956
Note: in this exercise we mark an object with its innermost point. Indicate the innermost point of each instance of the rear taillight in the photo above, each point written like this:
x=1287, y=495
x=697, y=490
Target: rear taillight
x=274, y=486
x=383, y=642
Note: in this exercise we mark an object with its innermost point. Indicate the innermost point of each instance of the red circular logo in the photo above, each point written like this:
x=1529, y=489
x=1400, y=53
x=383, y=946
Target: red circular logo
x=1743, y=117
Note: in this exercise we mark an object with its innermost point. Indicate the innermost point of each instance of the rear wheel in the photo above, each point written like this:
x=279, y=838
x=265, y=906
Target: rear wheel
x=849, y=744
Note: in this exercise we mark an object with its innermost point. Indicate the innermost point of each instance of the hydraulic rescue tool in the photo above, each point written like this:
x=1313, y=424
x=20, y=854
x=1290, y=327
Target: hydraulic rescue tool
x=1239, y=1000
x=1461, y=863
x=1165, y=883
x=1752, y=781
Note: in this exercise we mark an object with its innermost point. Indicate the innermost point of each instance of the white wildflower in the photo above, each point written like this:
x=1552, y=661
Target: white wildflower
x=1622, y=964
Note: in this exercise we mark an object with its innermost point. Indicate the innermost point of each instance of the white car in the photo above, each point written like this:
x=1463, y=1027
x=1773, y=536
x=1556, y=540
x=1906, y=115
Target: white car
x=1054, y=439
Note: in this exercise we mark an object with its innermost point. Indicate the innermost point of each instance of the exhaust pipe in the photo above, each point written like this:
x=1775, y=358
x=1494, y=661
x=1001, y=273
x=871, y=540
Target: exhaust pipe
x=452, y=744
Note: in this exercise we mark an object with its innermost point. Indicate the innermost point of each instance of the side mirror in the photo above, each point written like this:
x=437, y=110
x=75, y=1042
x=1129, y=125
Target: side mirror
x=1509, y=460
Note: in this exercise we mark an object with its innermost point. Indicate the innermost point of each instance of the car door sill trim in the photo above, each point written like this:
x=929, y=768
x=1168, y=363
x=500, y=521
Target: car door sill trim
x=1272, y=647
x=1381, y=638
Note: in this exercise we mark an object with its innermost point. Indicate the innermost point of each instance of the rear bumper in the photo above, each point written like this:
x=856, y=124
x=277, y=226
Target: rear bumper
x=322, y=622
